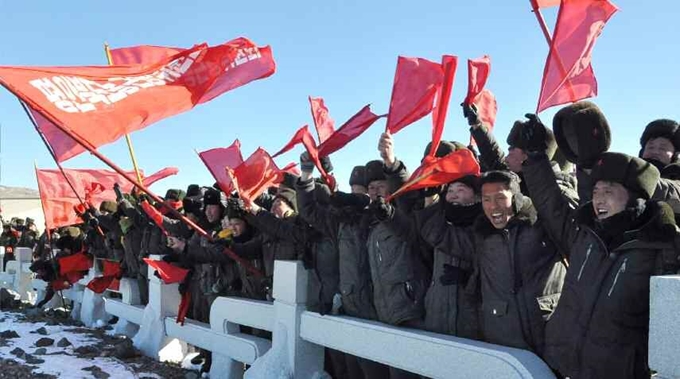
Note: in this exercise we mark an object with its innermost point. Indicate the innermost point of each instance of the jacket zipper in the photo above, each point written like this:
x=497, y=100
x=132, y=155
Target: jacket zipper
x=580, y=272
x=622, y=269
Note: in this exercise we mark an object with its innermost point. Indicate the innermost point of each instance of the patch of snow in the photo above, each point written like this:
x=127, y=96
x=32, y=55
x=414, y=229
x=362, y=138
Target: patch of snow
x=59, y=364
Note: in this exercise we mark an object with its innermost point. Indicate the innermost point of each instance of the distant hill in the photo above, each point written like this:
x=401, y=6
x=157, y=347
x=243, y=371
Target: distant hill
x=18, y=193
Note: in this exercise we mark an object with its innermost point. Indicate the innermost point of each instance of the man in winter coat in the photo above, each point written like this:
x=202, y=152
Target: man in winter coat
x=8, y=240
x=615, y=243
x=449, y=308
x=660, y=146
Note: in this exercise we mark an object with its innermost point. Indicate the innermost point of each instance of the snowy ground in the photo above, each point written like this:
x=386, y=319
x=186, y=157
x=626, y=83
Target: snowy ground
x=91, y=353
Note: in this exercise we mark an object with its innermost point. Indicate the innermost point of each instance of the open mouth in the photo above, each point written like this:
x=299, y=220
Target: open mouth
x=497, y=217
x=601, y=212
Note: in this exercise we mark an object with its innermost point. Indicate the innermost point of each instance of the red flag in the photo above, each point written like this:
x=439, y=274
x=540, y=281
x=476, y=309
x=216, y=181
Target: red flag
x=350, y=130
x=161, y=174
x=59, y=201
x=154, y=214
x=537, y=4
x=303, y=136
x=74, y=263
x=111, y=272
x=324, y=124
x=449, y=64
x=247, y=63
x=101, y=104
x=439, y=171
x=483, y=99
x=183, y=309
x=254, y=175
x=416, y=83
x=568, y=75
x=169, y=273
x=217, y=159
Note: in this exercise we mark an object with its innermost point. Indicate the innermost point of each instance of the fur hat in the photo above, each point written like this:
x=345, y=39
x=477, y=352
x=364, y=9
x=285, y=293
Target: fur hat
x=212, y=197
x=375, y=170
x=582, y=132
x=515, y=139
x=358, y=176
x=193, y=190
x=108, y=206
x=635, y=174
x=289, y=196
x=471, y=181
x=445, y=148
x=664, y=128
x=174, y=195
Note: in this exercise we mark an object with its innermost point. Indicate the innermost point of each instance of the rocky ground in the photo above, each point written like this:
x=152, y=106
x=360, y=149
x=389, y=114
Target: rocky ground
x=48, y=344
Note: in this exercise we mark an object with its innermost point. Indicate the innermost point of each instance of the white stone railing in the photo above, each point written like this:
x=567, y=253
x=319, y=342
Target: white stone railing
x=299, y=336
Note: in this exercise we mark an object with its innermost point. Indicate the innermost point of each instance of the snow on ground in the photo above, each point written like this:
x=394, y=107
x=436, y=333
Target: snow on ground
x=88, y=356
x=62, y=365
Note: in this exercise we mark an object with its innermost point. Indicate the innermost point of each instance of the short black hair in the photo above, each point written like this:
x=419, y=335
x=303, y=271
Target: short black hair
x=510, y=179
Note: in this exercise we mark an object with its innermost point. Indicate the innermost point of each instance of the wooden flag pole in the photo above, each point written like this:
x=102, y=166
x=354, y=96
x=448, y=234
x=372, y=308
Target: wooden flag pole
x=107, y=50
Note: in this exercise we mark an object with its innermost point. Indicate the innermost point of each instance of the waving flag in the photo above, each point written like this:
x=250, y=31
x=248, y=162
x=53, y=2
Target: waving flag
x=324, y=124
x=449, y=65
x=483, y=99
x=568, y=75
x=101, y=104
x=252, y=177
x=350, y=130
x=216, y=160
x=304, y=137
x=416, y=83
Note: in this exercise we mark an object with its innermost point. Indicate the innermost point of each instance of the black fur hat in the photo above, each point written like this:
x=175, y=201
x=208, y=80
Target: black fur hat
x=664, y=128
x=445, y=148
x=358, y=176
x=289, y=196
x=582, y=132
x=635, y=174
x=375, y=170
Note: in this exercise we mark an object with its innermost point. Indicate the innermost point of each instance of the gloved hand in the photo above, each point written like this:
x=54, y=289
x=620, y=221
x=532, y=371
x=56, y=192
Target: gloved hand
x=306, y=164
x=454, y=275
x=353, y=200
x=381, y=209
x=470, y=112
x=534, y=134
x=172, y=257
x=326, y=164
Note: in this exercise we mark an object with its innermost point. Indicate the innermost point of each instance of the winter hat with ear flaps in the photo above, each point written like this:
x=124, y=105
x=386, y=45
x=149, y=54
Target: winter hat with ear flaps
x=635, y=174
x=664, y=128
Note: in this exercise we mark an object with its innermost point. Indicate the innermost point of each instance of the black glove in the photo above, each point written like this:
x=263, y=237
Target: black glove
x=306, y=164
x=172, y=257
x=381, y=209
x=118, y=192
x=354, y=200
x=470, y=112
x=534, y=134
x=454, y=275
x=326, y=164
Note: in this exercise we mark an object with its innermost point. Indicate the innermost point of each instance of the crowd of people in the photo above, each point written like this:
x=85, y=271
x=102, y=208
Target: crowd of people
x=550, y=249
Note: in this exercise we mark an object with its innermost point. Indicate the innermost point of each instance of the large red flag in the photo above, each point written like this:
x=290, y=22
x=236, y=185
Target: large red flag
x=304, y=137
x=478, y=73
x=350, y=130
x=112, y=271
x=324, y=124
x=101, y=104
x=449, y=65
x=216, y=160
x=254, y=175
x=537, y=4
x=416, y=83
x=568, y=75
x=439, y=171
x=248, y=63
x=58, y=199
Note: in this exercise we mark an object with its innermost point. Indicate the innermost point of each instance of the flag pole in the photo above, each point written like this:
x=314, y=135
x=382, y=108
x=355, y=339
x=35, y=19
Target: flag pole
x=109, y=59
x=61, y=168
